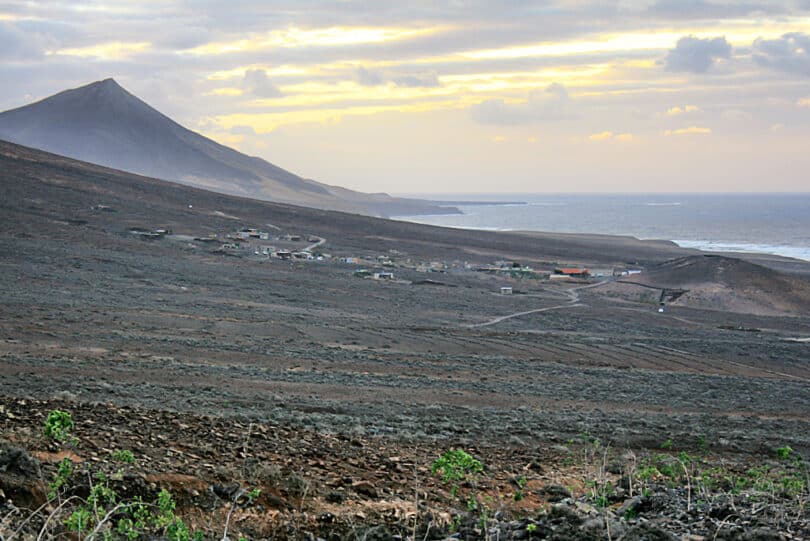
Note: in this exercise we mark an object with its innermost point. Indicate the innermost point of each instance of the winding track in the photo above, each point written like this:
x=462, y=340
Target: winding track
x=312, y=246
x=573, y=302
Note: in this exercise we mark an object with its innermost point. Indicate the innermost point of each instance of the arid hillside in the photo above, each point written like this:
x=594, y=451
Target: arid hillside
x=40, y=190
x=302, y=371
x=104, y=124
x=729, y=284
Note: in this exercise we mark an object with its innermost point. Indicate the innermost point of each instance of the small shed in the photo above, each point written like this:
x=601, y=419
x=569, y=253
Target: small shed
x=506, y=290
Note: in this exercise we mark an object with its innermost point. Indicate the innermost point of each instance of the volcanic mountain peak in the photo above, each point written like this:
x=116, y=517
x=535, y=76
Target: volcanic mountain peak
x=106, y=88
x=89, y=102
x=105, y=124
x=109, y=82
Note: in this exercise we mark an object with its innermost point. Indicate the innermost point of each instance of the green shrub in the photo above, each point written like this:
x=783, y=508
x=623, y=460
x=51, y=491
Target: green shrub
x=60, y=478
x=123, y=455
x=59, y=425
x=455, y=466
x=784, y=452
x=79, y=520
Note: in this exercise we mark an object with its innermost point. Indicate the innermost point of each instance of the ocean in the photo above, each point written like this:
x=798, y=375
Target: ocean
x=765, y=223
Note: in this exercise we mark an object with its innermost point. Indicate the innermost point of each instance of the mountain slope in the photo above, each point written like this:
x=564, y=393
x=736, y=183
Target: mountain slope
x=729, y=284
x=41, y=194
x=103, y=123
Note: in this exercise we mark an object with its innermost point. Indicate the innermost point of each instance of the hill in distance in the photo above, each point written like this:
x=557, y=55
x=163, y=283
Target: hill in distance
x=729, y=284
x=42, y=192
x=104, y=124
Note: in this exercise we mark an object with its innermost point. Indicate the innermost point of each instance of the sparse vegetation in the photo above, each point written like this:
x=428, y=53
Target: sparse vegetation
x=253, y=495
x=60, y=478
x=521, y=485
x=456, y=466
x=784, y=452
x=59, y=425
x=124, y=455
x=102, y=513
x=91, y=500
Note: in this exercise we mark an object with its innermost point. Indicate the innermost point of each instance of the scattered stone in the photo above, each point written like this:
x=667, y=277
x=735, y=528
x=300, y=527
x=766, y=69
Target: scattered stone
x=225, y=492
x=277, y=502
x=375, y=533
x=762, y=534
x=647, y=532
x=555, y=493
x=364, y=488
x=632, y=505
x=16, y=461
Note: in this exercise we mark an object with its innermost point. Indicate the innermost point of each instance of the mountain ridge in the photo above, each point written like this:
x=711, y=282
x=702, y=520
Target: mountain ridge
x=60, y=190
x=103, y=123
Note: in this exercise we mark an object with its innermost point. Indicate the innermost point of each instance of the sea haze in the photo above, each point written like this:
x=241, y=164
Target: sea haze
x=766, y=223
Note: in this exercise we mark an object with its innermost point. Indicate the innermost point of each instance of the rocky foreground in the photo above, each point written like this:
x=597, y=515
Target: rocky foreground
x=134, y=473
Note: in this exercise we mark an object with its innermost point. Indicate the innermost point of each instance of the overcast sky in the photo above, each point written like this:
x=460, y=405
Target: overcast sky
x=457, y=96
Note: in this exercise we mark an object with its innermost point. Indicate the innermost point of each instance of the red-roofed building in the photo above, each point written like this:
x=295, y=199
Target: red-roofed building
x=573, y=272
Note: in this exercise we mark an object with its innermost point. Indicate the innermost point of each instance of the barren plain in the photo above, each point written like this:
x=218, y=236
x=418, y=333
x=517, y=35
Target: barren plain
x=98, y=319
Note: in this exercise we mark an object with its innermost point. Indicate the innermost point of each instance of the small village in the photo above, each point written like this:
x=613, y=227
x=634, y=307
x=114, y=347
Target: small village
x=260, y=245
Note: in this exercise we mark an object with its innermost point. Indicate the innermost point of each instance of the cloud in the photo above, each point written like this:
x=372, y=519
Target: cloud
x=790, y=53
x=422, y=80
x=496, y=75
x=676, y=111
x=546, y=105
x=16, y=44
x=257, y=83
x=803, y=102
x=692, y=130
x=704, y=9
x=735, y=115
x=601, y=136
x=242, y=130
x=610, y=136
x=113, y=50
x=368, y=77
x=697, y=55
x=294, y=37
x=374, y=77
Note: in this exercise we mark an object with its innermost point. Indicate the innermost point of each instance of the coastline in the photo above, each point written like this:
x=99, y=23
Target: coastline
x=681, y=220
x=800, y=253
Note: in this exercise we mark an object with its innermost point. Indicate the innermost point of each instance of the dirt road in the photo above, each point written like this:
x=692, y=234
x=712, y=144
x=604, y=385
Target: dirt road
x=573, y=302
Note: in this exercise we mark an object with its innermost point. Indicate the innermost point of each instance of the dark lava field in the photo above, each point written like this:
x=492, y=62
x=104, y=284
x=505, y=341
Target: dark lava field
x=91, y=310
x=94, y=314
